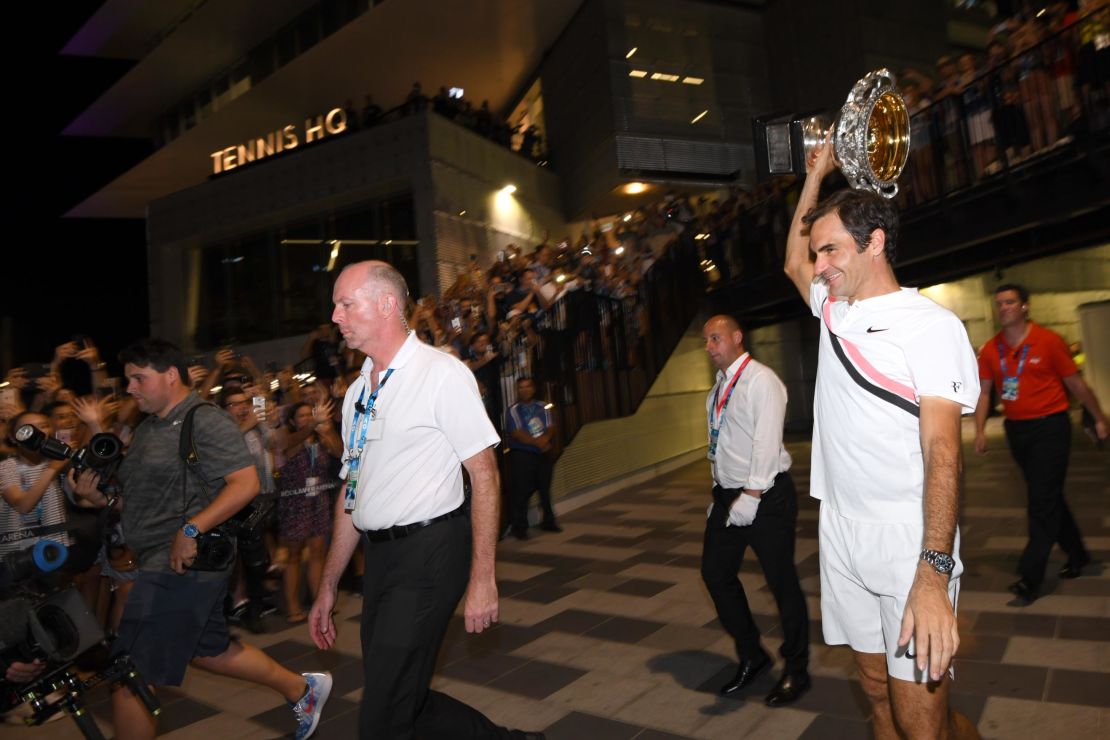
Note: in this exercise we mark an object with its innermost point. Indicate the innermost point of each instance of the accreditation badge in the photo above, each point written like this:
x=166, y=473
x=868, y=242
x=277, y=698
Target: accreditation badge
x=1009, y=390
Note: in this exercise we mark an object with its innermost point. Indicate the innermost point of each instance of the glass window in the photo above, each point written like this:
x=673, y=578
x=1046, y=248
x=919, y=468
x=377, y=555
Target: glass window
x=398, y=218
x=248, y=268
x=261, y=61
x=286, y=45
x=278, y=283
x=214, y=320
x=308, y=29
x=234, y=306
x=331, y=16
x=188, y=115
x=204, y=102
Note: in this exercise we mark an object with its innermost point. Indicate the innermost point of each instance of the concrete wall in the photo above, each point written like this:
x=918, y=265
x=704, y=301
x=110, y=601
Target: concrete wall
x=470, y=215
x=790, y=349
x=1058, y=286
x=667, y=429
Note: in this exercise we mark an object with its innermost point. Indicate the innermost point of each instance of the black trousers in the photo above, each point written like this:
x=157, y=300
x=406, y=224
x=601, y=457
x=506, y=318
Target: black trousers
x=528, y=472
x=411, y=587
x=771, y=537
x=1040, y=448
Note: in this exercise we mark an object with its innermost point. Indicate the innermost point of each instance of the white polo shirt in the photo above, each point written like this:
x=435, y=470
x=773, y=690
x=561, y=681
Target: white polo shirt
x=867, y=461
x=749, y=447
x=430, y=418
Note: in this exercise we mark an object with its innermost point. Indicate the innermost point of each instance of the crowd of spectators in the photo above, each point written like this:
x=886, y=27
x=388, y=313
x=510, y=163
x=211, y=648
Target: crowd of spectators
x=451, y=104
x=492, y=317
x=1045, y=78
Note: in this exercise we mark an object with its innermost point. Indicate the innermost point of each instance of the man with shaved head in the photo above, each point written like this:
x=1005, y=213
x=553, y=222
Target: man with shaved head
x=754, y=505
x=411, y=421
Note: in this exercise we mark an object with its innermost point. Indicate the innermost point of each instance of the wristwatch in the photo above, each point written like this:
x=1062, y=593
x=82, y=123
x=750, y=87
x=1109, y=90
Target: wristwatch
x=942, y=562
x=191, y=530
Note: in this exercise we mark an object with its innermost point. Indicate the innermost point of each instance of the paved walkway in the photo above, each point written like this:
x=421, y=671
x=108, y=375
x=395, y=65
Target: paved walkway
x=607, y=631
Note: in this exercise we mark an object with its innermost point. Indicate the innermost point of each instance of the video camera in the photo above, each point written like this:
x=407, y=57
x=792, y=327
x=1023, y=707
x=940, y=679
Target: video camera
x=102, y=454
x=56, y=629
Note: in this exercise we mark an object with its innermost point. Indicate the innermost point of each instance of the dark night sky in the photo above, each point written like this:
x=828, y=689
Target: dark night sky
x=65, y=276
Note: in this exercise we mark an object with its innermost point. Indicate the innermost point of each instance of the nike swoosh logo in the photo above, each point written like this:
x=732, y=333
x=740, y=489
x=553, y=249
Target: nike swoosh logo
x=871, y=330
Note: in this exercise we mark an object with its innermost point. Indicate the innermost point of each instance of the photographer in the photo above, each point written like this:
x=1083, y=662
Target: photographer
x=174, y=615
x=31, y=493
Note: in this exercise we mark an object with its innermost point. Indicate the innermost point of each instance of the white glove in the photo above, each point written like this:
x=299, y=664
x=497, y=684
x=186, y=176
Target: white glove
x=743, y=510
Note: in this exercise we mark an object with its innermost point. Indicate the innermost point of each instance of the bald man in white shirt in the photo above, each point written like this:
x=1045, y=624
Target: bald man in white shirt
x=754, y=505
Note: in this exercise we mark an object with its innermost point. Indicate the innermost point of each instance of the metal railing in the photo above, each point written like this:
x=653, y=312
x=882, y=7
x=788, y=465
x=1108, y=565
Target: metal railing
x=597, y=356
x=1027, y=104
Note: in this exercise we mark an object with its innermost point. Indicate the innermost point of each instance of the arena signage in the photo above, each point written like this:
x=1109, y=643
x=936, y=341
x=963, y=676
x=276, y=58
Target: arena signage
x=277, y=142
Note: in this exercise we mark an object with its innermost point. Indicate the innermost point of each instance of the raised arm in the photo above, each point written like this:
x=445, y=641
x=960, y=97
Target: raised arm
x=798, y=265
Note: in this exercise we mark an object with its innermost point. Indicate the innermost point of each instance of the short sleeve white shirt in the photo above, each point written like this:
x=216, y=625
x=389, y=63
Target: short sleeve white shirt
x=867, y=460
x=430, y=418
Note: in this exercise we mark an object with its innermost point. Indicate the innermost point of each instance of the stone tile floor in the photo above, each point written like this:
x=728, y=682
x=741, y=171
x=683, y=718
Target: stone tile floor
x=607, y=632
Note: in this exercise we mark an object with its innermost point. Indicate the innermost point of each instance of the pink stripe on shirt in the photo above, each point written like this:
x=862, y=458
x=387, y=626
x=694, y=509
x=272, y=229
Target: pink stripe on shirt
x=868, y=369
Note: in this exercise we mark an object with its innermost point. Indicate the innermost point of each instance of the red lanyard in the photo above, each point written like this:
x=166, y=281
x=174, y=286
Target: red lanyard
x=719, y=402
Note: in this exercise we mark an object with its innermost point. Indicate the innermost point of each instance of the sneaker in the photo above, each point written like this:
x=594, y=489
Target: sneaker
x=311, y=705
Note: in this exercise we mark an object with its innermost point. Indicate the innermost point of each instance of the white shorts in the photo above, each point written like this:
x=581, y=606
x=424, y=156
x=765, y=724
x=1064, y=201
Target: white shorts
x=867, y=569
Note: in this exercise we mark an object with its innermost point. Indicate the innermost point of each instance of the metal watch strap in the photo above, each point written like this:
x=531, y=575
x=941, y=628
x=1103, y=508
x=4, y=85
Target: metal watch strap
x=942, y=562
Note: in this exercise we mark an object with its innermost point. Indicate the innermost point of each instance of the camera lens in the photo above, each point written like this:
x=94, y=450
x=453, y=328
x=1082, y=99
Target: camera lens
x=103, y=449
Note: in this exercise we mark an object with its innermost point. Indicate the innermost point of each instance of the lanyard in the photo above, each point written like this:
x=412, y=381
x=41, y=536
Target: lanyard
x=719, y=406
x=363, y=416
x=1021, y=361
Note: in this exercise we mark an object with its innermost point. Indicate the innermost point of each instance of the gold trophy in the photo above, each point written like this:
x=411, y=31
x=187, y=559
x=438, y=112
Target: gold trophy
x=870, y=137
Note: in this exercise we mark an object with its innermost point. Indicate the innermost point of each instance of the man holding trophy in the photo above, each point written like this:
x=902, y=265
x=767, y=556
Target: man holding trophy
x=895, y=373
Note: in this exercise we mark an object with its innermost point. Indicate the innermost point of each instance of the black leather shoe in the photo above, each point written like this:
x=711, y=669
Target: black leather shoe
x=551, y=527
x=788, y=690
x=1074, y=570
x=1025, y=593
x=746, y=673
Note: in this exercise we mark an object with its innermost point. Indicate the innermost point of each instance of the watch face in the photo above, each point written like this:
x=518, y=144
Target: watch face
x=942, y=562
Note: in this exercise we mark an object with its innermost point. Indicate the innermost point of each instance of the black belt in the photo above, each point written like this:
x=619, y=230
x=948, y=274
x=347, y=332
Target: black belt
x=404, y=530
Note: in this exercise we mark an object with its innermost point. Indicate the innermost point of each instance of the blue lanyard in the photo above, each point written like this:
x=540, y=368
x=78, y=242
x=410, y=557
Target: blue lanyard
x=363, y=416
x=1002, y=359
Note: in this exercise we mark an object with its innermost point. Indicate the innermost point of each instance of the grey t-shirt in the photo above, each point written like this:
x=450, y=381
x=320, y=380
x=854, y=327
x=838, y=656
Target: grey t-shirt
x=155, y=504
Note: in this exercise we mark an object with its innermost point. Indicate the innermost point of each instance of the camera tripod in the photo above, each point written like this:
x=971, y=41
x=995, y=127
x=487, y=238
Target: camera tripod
x=121, y=670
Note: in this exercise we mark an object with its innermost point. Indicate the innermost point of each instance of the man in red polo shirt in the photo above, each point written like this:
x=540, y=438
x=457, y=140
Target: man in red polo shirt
x=1033, y=370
